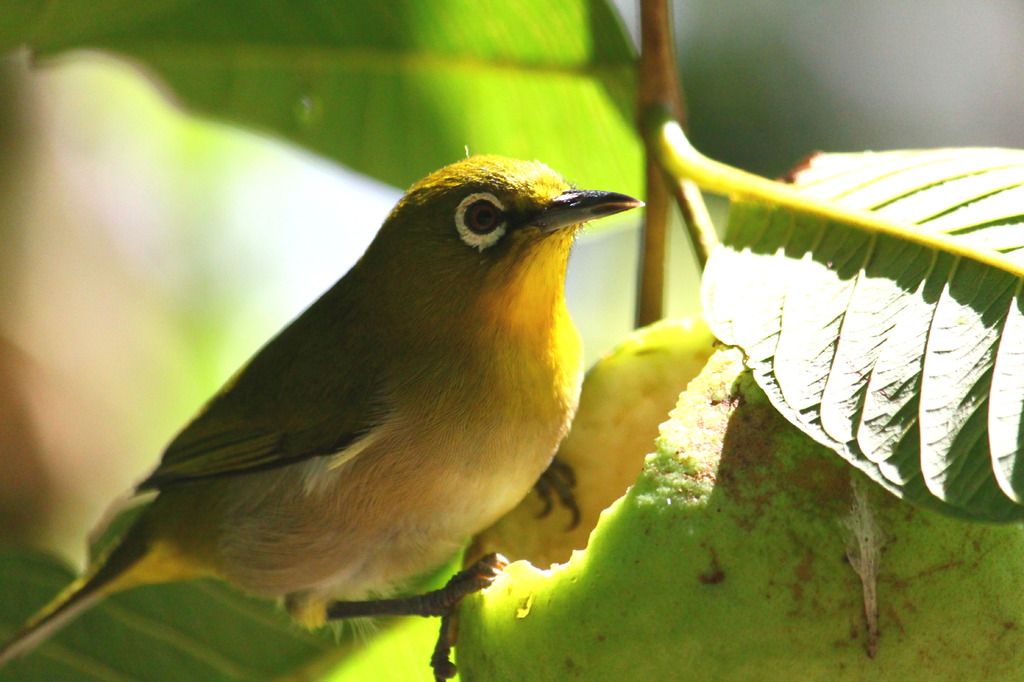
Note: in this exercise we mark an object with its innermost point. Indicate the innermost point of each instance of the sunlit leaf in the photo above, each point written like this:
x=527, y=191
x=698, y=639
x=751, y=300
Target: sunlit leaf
x=902, y=352
x=199, y=630
x=392, y=89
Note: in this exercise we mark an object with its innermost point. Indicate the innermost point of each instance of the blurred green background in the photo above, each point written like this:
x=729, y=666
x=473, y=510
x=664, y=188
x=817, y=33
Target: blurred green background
x=144, y=253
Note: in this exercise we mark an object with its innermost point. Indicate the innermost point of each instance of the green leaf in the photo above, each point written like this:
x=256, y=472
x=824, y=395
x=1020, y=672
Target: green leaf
x=900, y=348
x=198, y=630
x=395, y=89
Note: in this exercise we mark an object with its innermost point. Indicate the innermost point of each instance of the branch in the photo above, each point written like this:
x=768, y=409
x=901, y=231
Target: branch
x=660, y=89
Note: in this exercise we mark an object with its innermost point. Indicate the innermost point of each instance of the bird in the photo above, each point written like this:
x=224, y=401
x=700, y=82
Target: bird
x=415, y=402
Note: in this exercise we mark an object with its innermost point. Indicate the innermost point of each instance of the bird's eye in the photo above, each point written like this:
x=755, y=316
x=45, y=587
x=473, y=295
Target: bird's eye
x=482, y=216
x=480, y=220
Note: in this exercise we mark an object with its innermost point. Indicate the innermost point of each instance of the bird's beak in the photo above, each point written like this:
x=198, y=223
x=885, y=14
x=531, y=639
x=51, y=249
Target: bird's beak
x=576, y=206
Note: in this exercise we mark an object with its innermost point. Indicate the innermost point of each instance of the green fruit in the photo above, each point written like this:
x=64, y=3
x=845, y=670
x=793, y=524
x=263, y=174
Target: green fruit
x=738, y=555
x=625, y=396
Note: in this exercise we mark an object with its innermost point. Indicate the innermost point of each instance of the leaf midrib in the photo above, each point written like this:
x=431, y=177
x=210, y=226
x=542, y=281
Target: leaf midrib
x=684, y=161
x=344, y=60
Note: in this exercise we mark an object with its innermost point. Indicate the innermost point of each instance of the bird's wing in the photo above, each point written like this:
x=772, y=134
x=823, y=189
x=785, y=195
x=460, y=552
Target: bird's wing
x=218, y=454
x=310, y=392
x=233, y=452
x=212, y=446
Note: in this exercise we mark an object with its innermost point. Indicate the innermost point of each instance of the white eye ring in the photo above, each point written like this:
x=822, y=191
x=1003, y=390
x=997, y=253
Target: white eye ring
x=484, y=235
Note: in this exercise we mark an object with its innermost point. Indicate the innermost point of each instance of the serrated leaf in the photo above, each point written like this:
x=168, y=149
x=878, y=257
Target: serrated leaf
x=902, y=351
x=395, y=89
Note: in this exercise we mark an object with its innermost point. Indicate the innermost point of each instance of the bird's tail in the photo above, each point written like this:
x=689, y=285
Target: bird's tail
x=106, y=576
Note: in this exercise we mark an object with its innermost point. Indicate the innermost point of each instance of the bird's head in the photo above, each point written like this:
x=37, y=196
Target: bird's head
x=489, y=229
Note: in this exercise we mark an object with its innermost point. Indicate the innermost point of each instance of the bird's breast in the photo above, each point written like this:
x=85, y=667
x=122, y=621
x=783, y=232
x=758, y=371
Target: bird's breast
x=460, y=442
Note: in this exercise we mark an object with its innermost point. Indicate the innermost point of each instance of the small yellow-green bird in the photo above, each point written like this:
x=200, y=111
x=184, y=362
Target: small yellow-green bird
x=414, y=403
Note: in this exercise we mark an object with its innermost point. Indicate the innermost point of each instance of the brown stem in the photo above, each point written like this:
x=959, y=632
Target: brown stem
x=650, y=303
x=660, y=89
